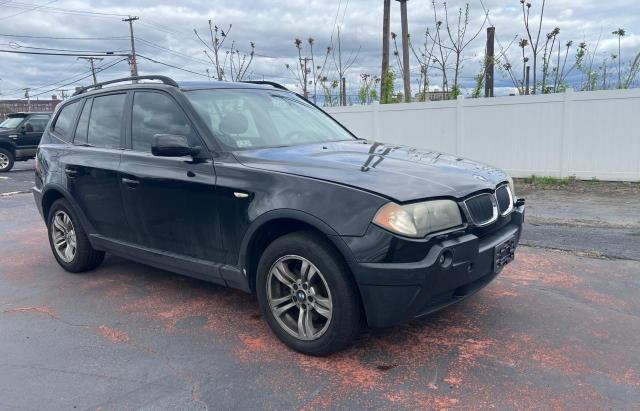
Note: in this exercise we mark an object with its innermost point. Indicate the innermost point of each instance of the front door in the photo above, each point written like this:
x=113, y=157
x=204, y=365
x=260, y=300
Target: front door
x=170, y=202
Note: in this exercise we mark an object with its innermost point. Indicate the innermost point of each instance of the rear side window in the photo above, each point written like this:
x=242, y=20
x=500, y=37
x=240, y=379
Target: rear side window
x=156, y=113
x=37, y=123
x=64, y=122
x=105, y=122
x=83, y=124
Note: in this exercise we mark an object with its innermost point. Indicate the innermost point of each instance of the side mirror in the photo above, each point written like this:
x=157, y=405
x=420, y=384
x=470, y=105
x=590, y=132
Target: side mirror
x=23, y=130
x=172, y=145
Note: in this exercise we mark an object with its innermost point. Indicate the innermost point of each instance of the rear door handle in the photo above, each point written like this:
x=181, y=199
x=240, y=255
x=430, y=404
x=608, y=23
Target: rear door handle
x=130, y=182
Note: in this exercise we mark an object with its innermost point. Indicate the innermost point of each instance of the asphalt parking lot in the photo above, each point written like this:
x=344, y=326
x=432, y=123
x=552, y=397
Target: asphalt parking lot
x=557, y=329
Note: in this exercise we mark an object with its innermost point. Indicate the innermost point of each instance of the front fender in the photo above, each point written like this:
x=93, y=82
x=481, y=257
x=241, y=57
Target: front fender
x=298, y=215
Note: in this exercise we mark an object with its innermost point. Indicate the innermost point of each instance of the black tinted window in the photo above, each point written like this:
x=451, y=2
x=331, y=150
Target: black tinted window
x=83, y=124
x=105, y=123
x=64, y=122
x=156, y=113
x=37, y=123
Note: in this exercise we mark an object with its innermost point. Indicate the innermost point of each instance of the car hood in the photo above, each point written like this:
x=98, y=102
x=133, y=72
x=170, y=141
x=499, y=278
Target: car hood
x=397, y=172
x=7, y=131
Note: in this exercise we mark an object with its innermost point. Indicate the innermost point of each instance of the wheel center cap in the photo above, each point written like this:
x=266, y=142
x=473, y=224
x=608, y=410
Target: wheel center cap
x=301, y=295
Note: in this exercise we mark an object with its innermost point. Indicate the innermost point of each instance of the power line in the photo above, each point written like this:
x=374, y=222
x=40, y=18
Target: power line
x=66, y=54
x=64, y=38
x=15, y=45
x=76, y=80
x=70, y=78
x=172, y=66
x=43, y=8
x=35, y=7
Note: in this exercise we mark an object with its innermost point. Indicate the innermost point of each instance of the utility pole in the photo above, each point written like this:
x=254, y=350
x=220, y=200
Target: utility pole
x=489, y=63
x=305, y=72
x=132, y=60
x=63, y=94
x=405, y=51
x=26, y=95
x=91, y=61
x=386, y=33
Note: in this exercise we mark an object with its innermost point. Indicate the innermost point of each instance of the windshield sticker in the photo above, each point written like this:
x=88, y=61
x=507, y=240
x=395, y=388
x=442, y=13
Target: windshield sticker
x=243, y=143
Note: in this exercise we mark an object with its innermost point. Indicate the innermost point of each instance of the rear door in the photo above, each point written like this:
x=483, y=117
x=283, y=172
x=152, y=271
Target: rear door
x=91, y=164
x=170, y=201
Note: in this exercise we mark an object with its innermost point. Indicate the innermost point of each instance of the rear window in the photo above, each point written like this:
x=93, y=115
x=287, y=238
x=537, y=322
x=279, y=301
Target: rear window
x=64, y=122
x=37, y=123
x=105, y=122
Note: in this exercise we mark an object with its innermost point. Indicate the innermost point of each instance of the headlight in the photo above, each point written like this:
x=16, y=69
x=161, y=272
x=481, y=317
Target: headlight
x=420, y=219
x=512, y=187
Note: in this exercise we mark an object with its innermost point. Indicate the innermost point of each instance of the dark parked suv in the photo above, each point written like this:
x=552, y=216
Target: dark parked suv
x=20, y=134
x=250, y=186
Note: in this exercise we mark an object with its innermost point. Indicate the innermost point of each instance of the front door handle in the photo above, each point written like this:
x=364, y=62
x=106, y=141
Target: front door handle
x=71, y=172
x=130, y=182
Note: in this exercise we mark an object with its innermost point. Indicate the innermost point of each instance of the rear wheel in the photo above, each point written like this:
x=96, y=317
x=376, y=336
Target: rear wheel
x=308, y=295
x=6, y=160
x=69, y=242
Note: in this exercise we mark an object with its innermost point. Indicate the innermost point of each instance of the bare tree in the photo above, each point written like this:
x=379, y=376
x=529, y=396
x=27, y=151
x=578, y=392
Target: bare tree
x=633, y=72
x=547, y=56
x=526, y=10
x=306, y=71
x=424, y=57
x=238, y=61
x=342, y=65
x=620, y=33
x=460, y=41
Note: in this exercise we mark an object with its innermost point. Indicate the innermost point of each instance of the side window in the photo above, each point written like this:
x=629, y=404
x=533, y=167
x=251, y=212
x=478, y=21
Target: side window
x=64, y=122
x=37, y=123
x=83, y=124
x=105, y=122
x=156, y=113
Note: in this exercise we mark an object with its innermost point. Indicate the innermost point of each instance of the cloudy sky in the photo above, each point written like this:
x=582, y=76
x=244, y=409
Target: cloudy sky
x=164, y=33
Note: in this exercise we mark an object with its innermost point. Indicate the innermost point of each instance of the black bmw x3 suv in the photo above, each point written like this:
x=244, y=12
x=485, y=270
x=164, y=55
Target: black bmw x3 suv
x=249, y=185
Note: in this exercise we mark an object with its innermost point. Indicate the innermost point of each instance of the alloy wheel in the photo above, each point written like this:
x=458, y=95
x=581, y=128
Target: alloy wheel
x=4, y=161
x=299, y=297
x=63, y=235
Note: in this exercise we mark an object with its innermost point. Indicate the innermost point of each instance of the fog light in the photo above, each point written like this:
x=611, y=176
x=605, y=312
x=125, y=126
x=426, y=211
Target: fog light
x=445, y=259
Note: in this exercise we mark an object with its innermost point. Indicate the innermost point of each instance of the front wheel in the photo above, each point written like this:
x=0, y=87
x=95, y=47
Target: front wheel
x=307, y=294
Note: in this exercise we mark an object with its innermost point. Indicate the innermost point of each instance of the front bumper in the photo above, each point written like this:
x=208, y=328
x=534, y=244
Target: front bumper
x=395, y=292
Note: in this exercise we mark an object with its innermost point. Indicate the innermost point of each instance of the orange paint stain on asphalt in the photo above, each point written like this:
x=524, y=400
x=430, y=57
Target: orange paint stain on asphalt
x=533, y=268
x=113, y=335
x=603, y=299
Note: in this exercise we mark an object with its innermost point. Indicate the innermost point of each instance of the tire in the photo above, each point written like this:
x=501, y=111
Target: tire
x=328, y=277
x=80, y=258
x=6, y=160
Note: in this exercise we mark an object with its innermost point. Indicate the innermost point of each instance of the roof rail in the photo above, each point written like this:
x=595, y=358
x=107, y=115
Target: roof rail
x=268, y=83
x=166, y=80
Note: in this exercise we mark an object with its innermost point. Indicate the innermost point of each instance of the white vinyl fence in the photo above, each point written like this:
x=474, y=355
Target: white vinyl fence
x=584, y=134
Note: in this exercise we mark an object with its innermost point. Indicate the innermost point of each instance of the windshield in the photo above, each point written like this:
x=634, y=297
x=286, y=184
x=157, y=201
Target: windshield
x=11, y=122
x=248, y=119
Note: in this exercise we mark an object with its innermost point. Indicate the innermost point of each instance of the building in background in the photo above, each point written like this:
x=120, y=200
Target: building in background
x=23, y=106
